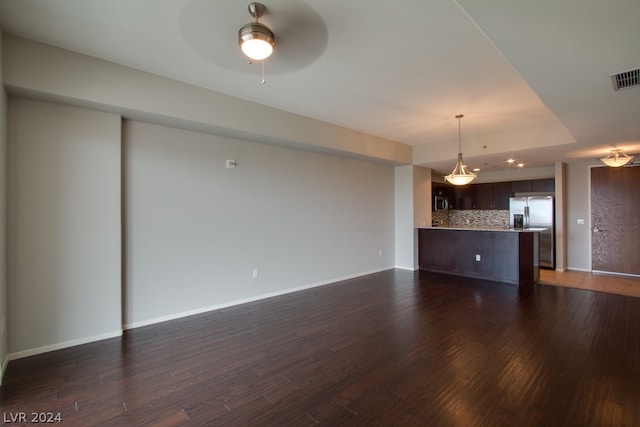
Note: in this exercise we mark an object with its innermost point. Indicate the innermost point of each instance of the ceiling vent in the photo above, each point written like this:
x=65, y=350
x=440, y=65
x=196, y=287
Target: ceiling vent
x=626, y=80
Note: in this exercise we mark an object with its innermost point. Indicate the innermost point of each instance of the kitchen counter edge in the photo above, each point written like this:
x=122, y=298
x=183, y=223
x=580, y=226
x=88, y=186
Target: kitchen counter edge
x=510, y=230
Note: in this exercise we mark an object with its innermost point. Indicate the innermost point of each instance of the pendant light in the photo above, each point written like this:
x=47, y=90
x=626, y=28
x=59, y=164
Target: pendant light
x=460, y=175
x=256, y=40
x=616, y=158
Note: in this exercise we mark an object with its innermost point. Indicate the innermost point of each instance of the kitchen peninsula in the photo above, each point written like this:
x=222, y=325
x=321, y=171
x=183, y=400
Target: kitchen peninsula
x=503, y=255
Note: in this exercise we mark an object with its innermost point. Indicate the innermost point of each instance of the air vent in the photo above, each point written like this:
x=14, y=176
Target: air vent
x=626, y=80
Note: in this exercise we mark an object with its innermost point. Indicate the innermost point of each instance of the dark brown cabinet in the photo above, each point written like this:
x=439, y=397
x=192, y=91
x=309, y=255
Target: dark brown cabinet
x=543, y=185
x=503, y=256
x=501, y=194
x=464, y=197
x=547, y=185
x=521, y=186
x=444, y=190
x=494, y=195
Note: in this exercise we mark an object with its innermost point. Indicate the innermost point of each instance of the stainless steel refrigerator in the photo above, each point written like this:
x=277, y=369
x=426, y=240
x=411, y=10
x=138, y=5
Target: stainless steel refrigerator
x=539, y=213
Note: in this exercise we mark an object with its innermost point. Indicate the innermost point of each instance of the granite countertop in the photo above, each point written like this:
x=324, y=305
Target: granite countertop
x=517, y=230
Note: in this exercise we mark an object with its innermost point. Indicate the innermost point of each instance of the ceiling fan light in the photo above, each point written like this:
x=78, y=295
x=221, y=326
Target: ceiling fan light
x=616, y=158
x=256, y=41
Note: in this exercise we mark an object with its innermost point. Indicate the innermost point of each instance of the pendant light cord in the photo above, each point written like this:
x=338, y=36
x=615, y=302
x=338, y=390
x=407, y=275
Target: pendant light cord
x=459, y=116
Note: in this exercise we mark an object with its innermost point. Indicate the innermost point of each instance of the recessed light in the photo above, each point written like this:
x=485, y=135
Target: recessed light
x=510, y=161
x=476, y=169
x=520, y=165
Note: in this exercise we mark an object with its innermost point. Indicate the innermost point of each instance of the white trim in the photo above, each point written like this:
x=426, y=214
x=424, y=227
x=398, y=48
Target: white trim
x=246, y=300
x=590, y=229
x=586, y=270
x=61, y=345
x=4, y=367
x=402, y=267
x=613, y=273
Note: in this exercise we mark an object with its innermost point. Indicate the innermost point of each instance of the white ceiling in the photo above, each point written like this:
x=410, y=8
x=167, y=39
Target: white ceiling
x=532, y=78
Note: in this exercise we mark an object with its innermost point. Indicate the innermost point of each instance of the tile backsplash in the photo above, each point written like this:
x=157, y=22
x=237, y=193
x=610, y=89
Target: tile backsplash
x=471, y=218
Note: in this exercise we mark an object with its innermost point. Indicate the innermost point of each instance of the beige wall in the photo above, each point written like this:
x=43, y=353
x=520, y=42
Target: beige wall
x=412, y=196
x=57, y=74
x=577, y=202
x=196, y=230
x=64, y=246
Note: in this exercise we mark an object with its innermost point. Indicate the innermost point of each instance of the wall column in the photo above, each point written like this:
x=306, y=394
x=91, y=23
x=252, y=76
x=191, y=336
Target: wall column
x=412, y=209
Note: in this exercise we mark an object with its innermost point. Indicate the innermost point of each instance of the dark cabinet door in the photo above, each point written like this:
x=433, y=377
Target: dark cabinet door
x=500, y=195
x=444, y=190
x=482, y=196
x=543, y=185
x=547, y=185
x=464, y=197
x=494, y=195
x=521, y=186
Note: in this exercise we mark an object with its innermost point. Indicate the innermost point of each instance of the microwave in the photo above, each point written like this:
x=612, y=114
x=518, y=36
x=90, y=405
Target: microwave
x=440, y=203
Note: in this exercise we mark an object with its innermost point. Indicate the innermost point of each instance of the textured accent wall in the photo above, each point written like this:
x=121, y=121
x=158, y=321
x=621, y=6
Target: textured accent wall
x=472, y=218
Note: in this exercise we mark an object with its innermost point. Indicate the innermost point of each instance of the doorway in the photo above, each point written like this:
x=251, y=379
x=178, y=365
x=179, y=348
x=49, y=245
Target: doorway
x=615, y=229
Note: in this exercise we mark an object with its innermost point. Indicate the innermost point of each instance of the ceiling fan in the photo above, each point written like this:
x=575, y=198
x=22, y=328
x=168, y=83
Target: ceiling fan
x=211, y=29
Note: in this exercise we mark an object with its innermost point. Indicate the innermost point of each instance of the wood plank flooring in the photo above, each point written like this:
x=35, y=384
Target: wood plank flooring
x=396, y=348
x=613, y=284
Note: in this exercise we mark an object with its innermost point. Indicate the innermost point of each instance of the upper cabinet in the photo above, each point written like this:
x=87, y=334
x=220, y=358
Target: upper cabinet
x=494, y=195
x=543, y=185
x=534, y=186
x=521, y=187
x=464, y=197
x=443, y=190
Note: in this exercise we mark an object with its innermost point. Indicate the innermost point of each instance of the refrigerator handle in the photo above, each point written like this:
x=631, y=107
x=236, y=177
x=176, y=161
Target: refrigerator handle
x=526, y=217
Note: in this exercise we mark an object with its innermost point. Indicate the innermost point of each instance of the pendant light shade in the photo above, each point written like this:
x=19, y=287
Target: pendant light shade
x=460, y=175
x=616, y=158
x=256, y=40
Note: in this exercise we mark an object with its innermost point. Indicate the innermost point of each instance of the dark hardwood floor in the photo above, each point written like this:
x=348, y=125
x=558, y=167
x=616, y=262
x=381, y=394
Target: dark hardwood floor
x=393, y=348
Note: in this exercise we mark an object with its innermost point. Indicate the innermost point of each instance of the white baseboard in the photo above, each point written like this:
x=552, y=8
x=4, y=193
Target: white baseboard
x=61, y=345
x=246, y=300
x=403, y=267
x=5, y=362
x=612, y=273
x=85, y=340
x=585, y=270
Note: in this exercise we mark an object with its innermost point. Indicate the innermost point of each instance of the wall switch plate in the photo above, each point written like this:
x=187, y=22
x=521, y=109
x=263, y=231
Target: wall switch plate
x=231, y=164
x=478, y=257
x=580, y=221
x=255, y=273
